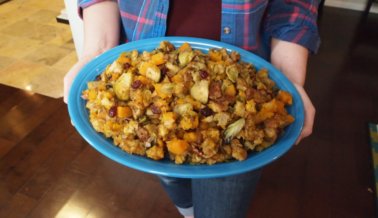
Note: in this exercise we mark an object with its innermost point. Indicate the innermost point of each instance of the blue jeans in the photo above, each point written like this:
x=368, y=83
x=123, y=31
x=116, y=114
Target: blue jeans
x=226, y=197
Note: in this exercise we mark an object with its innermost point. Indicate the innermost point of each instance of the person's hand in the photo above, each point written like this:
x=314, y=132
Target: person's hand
x=291, y=60
x=70, y=76
x=309, y=110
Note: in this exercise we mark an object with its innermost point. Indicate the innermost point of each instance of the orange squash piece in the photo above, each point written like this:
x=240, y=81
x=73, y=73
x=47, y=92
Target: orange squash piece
x=177, y=146
x=158, y=58
x=215, y=55
x=185, y=47
x=284, y=97
x=190, y=137
x=124, y=112
x=123, y=59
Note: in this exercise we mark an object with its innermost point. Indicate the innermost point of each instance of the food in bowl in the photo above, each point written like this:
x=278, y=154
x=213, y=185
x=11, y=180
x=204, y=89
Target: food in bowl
x=187, y=105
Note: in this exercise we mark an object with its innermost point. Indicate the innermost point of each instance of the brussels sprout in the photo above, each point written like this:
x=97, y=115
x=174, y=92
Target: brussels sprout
x=153, y=73
x=183, y=108
x=173, y=68
x=185, y=57
x=122, y=86
x=232, y=72
x=234, y=128
x=200, y=91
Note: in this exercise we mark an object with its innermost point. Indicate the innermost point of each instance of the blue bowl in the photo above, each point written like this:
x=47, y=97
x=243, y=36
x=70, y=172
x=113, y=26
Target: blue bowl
x=255, y=160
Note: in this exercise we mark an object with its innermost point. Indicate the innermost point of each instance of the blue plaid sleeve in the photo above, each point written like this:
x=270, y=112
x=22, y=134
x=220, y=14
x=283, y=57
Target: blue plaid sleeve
x=294, y=21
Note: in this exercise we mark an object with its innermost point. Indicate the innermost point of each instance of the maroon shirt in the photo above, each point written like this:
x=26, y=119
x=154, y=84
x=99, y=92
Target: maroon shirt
x=205, y=14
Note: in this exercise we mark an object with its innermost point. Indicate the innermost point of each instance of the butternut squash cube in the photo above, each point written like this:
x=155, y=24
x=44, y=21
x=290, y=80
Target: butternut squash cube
x=185, y=47
x=158, y=58
x=215, y=55
x=190, y=137
x=177, y=146
x=124, y=112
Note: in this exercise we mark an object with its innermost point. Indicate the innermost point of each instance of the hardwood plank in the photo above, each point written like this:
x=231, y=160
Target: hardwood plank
x=21, y=119
x=22, y=161
x=49, y=171
x=142, y=194
x=280, y=181
x=6, y=91
x=19, y=206
x=318, y=180
x=75, y=176
x=75, y=206
x=113, y=186
x=5, y=146
x=5, y=196
x=11, y=97
x=55, y=199
x=101, y=211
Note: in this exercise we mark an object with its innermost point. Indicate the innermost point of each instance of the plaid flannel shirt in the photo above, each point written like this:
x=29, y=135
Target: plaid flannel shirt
x=249, y=24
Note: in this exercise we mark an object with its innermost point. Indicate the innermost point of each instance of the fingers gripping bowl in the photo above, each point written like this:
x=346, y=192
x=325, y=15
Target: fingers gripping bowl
x=193, y=104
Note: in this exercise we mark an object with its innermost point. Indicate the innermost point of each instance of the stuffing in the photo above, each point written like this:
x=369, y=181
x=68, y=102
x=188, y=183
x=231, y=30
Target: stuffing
x=183, y=104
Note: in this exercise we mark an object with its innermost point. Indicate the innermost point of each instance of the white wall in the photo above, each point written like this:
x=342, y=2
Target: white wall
x=358, y=5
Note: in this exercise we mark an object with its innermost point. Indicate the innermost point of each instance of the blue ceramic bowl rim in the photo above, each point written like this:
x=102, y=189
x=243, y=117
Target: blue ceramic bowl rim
x=79, y=115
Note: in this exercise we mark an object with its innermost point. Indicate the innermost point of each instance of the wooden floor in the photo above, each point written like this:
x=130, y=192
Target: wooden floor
x=47, y=170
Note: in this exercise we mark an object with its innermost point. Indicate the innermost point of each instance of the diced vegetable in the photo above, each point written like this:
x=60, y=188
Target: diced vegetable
x=230, y=90
x=189, y=121
x=155, y=152
x=190, y=137
x=124, y=112
x=164, y=90
x=185, y=57
x=285, y=97
x=232, y=72
x=150, y=70
x=234, y=128
x=183, y=109
x=168, y=119
x=98, y=85
x=92, y=95
x=177, y=146
x=166, y=46
x=171, y=67
x=250, y=106
x=222, y=119
x=239, y=109
x=122, y=86
x=200, y=91
x=215, y=55
x=158, y=58
x=185, y=47
x=115, y=67
x=123, y=59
